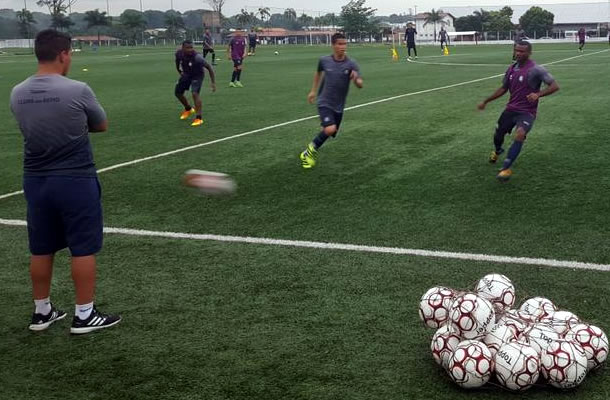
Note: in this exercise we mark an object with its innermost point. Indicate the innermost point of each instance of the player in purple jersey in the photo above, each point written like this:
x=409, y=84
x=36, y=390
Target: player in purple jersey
x=237, y=53
x=582, y=35
x=523, y=80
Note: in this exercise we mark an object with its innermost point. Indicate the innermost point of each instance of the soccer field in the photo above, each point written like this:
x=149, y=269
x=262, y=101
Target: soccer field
x=235, y=316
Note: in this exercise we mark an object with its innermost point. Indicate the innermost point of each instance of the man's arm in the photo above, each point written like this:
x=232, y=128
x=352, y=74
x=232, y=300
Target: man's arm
x=229, y=51
x=549, y=81
x=178, y=66
x=96, y=116
x=212, y=75
x=497, y=94
x=311, y=97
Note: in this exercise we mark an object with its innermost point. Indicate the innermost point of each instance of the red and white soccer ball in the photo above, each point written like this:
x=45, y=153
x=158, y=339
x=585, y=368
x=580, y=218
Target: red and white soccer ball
x=498, y=289
x=517, y=366
x=444, y=343
x=540, y=336
x=561, y=321
x=434, y=306
x=214, y=183
x=538, y=307
x=471, y=364
x=498, y=336
x=513, y=319
x=471, y=316
x=593, y=340
x=564, y=364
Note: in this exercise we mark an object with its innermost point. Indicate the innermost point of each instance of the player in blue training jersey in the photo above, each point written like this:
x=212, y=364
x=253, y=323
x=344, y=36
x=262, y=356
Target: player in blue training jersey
x=334, y=75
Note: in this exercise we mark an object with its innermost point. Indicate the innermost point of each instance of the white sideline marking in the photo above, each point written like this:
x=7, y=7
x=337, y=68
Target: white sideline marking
x=294, y=121
x=347, y=247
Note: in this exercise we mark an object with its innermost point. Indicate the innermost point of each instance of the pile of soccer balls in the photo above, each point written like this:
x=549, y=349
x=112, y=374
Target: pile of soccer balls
x=480, y=334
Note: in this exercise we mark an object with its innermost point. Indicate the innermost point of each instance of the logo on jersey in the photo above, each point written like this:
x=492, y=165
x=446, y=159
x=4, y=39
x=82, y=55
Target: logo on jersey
x=521, y=78
x=190, y=64
x=346, y=71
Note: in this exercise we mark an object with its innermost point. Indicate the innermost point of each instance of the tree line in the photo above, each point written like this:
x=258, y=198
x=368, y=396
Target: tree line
x=535, y=22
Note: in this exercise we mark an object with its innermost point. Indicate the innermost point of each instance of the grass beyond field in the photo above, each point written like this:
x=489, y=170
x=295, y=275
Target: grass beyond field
x=218, y=320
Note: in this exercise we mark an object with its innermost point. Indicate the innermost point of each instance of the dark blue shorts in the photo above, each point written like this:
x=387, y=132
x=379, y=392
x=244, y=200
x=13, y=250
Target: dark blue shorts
x=511, y=119
x=329, y=117
x=189, y=82
x=237, y=62
x=64, y=211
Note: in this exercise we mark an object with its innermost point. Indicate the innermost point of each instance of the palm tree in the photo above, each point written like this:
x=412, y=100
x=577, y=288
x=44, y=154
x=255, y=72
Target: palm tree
x=132, y=21
x=305, y=19
x=26, y=19
x=433, y=17
x=97, y=19
x=265, y=13
x=174, y=23
x=244, y=18
x=290, y=14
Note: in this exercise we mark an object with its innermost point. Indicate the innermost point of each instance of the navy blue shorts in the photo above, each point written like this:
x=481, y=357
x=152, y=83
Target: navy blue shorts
x=64, y=211
x=186, y=82
x=237, y=62
x=329, y=117
x=510, y=119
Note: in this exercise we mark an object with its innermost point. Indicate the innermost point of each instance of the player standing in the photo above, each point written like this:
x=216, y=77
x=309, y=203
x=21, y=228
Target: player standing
x=237, y=53
x=334, y=74
x=252, y=41
x=62, y=192
x=190, y=66
x=582, y=35
x=444, y=38
x=410, y=39
x=523, y=80
x=208, y=45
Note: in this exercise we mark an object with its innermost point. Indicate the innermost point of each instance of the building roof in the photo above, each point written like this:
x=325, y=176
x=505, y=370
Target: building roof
x=281, y=32
x=570, y=13
x=424, y=15
x=93, y=38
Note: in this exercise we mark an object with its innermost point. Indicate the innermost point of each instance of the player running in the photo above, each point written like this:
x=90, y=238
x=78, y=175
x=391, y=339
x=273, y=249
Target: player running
x=334, y=74
x=252, y=40
x=237, y=53
x=582, y=35
x=523, y=80
x=208, y=45
x=410, y=39
x=444, y=38
x=190, y=66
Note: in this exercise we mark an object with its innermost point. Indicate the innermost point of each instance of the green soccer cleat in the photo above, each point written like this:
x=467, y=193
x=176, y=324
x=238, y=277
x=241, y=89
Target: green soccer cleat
x=308, y=157
x=232, y=84
x=238, y=84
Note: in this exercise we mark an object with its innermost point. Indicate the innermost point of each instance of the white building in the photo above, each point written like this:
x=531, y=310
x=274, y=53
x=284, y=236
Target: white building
x=425, y=32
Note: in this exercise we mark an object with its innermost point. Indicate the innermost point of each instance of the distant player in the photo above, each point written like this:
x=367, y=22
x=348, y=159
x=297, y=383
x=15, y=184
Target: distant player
x=410, y=39
x=252, y=40
x=334, y=75
x=190, y=66
x=237, y=53
x=444, y=38
x=523, y=80
x=208, y=45
x=582, y=35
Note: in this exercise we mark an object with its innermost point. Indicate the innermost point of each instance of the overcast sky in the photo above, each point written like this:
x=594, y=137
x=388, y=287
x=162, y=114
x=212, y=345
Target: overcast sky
x=384, y=7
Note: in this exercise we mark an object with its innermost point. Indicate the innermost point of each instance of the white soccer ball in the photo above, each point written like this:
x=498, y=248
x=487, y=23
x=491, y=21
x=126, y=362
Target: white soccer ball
x=277, y=53
x=517, y=366
x=471, y=364
x=498, y=336
x=498, y=289
x=564, y=364
x=513, y=319
x=540, y=336
x=561, y=321
x=208, y=182
x=471, y=316
x=444, y=343
x=593, y=340
x=434, y=306
x=538, y=307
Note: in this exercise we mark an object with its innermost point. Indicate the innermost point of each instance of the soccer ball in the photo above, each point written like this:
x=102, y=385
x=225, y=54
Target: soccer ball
x=209, y=182
x=513, y=319
x=444, y=343
x=277, y=53
x=564, y=364
x=498, y=289
x=517, y=366
x=540, y=336
x=561, y=321
x=434, y=306
x=538, y=307
x=593, y=340
x=471, y=364
x=498, y=336
x=471, y=316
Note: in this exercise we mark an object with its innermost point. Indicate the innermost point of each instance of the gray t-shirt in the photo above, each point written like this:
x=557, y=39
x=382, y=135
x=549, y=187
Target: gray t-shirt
x=335, y=84
x=54, y=114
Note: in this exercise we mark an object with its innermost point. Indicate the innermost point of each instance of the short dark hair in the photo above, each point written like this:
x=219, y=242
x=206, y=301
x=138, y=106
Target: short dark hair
x=187, y=42
x=336, y=37
x=49, y=43
x=522, y=42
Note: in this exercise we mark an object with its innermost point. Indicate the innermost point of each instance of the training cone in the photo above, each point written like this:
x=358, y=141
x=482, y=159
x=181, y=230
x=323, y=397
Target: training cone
x=394, y=54
x=446, y=51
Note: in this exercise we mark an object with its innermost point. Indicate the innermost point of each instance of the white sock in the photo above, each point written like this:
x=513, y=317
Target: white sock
x=43, y=306
x=83, y=311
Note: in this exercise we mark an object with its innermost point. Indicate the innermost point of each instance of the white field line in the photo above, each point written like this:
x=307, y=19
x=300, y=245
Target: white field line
x=294, y=121
x=346, y=247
